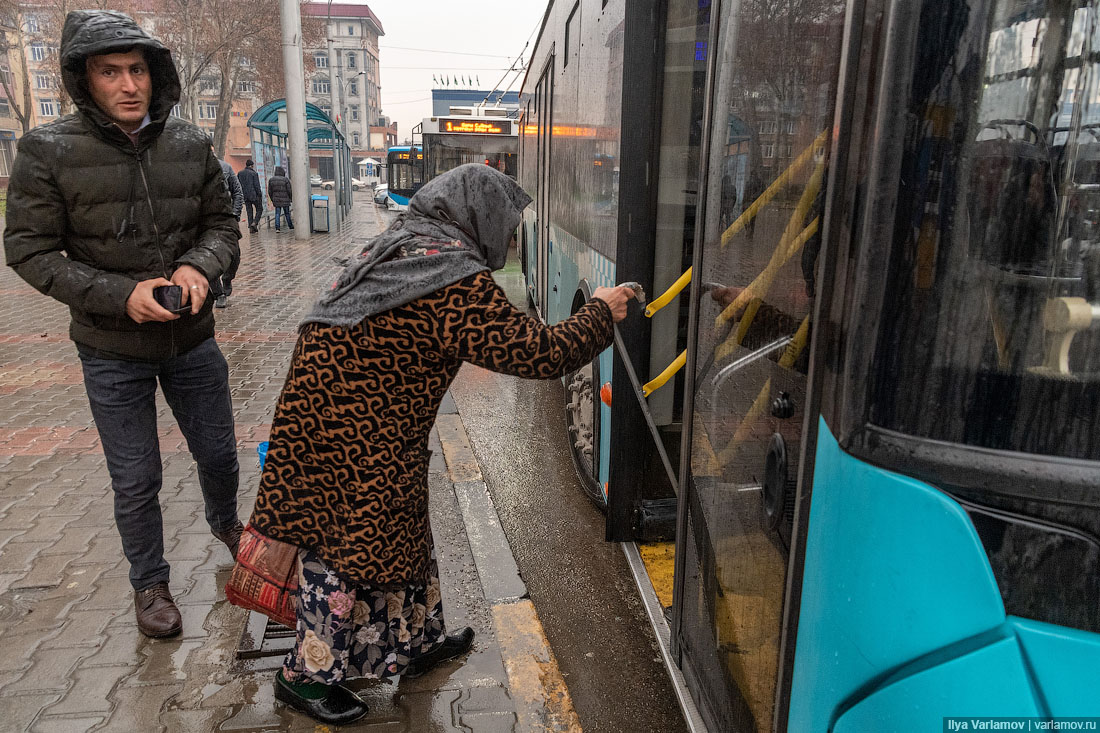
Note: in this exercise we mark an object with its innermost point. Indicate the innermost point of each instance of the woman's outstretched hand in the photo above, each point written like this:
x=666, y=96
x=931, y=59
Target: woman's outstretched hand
x=616, y=299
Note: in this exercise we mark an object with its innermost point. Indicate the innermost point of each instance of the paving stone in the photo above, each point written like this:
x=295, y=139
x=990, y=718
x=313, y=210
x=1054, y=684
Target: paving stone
x=122, y=645
x=99, y=513
x=46, y=571
x=189, y=547
x=163, y=663
x=72, y=540
x=20, y=555
x=81, y=629
x=18, y=649
x=139, y=709
x=91, y=686
x=49, y=670
x=20, y=711
x=493, y=699
x=185, y=721
x=6, y=579
x=77, y=503
x=112, y=591
x=208, y=586
x=47, y=527
x=105, y=549
x=59, y=724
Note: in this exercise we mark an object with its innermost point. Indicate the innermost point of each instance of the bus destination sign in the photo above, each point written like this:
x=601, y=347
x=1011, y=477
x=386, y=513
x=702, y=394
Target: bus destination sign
x=475, y=127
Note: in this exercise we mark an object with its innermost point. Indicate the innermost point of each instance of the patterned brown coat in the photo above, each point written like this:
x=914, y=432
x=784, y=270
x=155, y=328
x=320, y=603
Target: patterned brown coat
x=346, y=469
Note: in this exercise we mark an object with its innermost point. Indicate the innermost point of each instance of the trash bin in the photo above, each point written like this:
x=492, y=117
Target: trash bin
x=318, y=213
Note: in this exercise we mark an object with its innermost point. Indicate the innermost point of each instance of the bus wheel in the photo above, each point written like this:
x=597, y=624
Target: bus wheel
x=582, y=418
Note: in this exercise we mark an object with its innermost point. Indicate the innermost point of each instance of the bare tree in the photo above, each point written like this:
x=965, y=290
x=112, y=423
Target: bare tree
x=11, y=45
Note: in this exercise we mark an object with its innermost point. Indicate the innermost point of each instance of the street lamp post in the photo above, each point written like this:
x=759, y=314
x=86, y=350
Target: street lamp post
x=344, y=115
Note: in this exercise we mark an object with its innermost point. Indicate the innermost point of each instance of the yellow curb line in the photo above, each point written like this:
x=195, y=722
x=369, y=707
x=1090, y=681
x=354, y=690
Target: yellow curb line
x=534, y=680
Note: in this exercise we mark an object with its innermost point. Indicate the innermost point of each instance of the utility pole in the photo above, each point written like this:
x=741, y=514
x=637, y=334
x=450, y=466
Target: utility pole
x=334, y=96
x=296, y=114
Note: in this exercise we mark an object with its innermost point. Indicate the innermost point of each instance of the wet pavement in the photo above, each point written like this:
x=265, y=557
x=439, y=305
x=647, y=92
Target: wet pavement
x=72, y=658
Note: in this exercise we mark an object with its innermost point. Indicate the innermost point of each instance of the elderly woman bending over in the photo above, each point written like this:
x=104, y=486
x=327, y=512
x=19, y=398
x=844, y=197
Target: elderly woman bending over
x=346, y=472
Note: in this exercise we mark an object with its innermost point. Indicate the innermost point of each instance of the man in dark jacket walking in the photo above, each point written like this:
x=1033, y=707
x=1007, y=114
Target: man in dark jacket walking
x=278, y=189
x=221, y=288
x=105, y=206
x=253, y=194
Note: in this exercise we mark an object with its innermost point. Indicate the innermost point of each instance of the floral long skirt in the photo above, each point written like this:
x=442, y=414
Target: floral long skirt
x=347, y=631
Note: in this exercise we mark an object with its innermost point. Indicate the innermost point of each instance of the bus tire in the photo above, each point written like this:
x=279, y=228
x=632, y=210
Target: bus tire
x=582, y=419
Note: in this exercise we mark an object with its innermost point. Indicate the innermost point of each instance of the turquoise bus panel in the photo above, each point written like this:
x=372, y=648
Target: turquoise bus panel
x=1065, y=663
x=894, y=570
x=988, y=682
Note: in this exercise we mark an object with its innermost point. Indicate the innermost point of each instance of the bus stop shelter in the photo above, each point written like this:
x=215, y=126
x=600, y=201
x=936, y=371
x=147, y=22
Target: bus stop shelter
x=268, y=135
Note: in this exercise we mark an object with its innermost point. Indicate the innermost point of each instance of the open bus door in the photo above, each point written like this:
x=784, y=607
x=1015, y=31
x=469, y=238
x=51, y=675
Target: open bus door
x=544, y=96
x=889, y=511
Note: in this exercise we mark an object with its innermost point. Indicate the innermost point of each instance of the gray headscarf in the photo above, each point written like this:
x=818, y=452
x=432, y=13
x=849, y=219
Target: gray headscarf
x=457, y=224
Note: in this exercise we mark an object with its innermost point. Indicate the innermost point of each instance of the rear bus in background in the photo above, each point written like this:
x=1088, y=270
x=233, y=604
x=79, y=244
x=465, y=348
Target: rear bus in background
x=470, y=135
x=404, y=174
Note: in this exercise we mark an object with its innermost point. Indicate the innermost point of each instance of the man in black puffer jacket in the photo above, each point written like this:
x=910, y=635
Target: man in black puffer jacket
x=104, y=206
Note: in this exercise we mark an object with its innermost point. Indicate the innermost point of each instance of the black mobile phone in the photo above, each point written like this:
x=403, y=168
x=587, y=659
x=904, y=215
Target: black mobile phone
x=170, y=298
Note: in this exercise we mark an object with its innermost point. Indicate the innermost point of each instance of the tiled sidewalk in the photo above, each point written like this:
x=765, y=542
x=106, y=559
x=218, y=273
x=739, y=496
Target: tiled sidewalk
x=71, y=657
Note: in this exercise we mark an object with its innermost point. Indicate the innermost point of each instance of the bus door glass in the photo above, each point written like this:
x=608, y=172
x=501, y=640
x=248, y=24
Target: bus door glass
x=771, y=109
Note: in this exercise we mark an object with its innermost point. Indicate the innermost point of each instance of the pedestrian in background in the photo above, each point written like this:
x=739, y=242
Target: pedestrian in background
x=278, y=190
x=253, y=194
x=104, y=206
x=346, y=474
x=222, y=287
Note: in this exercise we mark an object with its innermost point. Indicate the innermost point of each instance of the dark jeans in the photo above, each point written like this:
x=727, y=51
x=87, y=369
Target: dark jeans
x=123, y=399
x=286, y=212
x=253, y=209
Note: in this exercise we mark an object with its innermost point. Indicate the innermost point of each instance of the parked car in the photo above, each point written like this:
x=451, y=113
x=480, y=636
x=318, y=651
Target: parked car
x=381, y=193
x=315, y=180
x=356, y=184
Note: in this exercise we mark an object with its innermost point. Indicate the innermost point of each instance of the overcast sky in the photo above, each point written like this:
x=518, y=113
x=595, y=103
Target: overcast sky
x=426, y=37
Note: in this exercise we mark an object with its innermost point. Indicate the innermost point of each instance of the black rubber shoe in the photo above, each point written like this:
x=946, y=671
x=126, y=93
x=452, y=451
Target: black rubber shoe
x=454, y=646
x=339, y=707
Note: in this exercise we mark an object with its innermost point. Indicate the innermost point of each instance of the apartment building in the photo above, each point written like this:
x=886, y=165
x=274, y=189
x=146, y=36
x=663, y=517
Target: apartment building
x=355, y=31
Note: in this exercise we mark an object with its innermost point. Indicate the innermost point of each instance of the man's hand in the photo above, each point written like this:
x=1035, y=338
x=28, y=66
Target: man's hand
x=616, y=299
x=194, y=284
x=143, y=307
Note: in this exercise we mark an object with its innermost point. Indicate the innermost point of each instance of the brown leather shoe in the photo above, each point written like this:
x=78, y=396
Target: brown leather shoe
x=231, y=537
x=157, y=615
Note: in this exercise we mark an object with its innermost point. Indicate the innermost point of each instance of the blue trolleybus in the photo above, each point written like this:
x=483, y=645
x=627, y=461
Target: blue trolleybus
x=404, y=174
x=863, y=406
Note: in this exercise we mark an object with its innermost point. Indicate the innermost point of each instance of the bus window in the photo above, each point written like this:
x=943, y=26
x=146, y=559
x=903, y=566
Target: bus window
x=989, y=339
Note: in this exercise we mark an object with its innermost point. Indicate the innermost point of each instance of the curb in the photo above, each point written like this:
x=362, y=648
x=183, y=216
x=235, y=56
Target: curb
x=538, y=688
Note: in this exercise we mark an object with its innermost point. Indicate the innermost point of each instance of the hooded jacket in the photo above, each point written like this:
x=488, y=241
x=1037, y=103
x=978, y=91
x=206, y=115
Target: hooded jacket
x=90, y=213
x=278, y=188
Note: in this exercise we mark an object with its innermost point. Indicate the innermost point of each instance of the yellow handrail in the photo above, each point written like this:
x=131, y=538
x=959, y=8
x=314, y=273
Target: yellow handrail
x=746, y=216
x=669, y=294
x=659, y=381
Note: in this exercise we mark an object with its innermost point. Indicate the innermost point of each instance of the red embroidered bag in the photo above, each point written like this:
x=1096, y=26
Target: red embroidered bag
x=265, y=578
